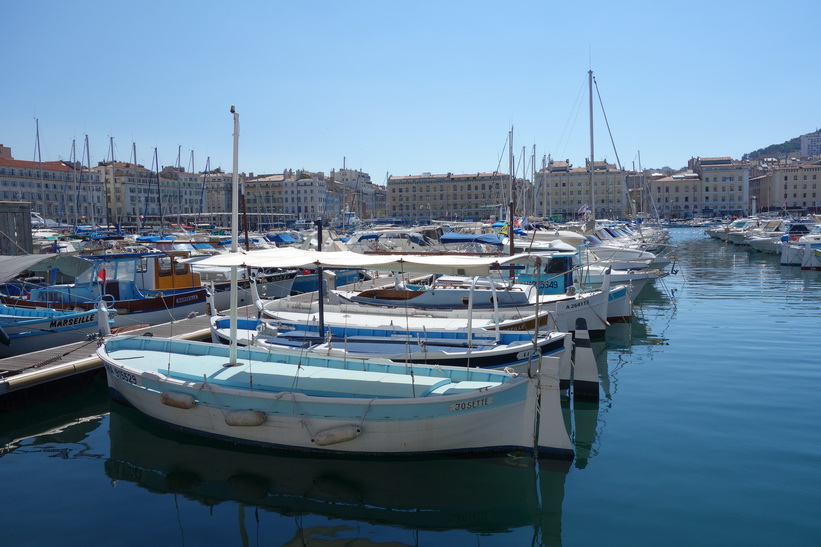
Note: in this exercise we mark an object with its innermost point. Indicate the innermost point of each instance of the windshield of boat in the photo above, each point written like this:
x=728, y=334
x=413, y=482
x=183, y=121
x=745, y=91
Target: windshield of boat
x=108, y=271
x=593, y=240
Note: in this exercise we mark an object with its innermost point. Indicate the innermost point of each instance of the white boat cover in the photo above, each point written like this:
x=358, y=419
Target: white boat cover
x=12, y=266
x=287, y=257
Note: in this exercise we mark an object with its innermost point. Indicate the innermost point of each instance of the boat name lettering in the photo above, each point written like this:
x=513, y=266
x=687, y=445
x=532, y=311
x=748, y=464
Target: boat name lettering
x=471, y=405
x=578, y=304
x=186, y=299
x=72, y=321
x=122, y=375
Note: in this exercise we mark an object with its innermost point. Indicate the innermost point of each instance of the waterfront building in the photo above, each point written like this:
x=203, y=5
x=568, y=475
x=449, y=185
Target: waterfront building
x=468, y=197
x=137, y=196
x=793, y=187
x=358, y=194
x=567, y=192
x=67, y=192
x=725, y=186
x=678, y=195
x=264, y=201
x=304, y=195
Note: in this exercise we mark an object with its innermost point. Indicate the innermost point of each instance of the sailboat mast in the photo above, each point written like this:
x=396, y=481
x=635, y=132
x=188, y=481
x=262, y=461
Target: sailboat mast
x=592, y=187
x=235, y=185
x=533, y=174
x=202, y=189
x=90, y=191
x=159, y=190
x=179, y=186
x=545, y=189
x=37, y=156
x=510, y=200
x=234, y=233
x=75, y=185
x=109, y=186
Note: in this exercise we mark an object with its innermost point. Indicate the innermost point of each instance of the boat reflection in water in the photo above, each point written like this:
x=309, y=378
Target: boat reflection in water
x=486, y=495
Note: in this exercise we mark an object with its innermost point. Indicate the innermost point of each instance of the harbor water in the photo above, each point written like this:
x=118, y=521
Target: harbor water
x=707, y=433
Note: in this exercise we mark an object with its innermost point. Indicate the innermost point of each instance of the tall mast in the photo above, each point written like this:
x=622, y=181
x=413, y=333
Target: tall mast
x=510, y=201
x=109, y=186
x=90, y=191
x=533, y=174
x=235, y=185
x=37, y=155
x=202, y=189
x=159, y=191
x=179, y=186
x=592, y=188
x=234, y=234
x=522, y=201
x=75, y=186
x=545, y=189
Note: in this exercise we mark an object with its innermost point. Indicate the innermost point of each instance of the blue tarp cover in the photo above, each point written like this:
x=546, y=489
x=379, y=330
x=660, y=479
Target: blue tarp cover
x=280, y=238
x=487, y=239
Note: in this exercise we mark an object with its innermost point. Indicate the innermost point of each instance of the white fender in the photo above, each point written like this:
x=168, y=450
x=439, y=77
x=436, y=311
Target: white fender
x=177, y=399
x=339, y=434
x=244, y=418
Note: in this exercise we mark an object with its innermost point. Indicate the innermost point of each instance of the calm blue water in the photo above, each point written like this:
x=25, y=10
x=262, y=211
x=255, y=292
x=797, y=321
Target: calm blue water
x=708, y=434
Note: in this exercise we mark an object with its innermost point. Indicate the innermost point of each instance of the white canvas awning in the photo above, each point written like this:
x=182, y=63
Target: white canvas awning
x=297, y=258
x=12, y=266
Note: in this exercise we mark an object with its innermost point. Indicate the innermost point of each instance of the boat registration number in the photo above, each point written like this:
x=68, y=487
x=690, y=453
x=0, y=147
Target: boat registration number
x=122, y=375
x=578, y=304
x=471, y=405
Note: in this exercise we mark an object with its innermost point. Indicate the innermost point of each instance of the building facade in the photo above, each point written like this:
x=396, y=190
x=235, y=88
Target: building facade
x=791, y=187
x=811, y=145
x=63, y=191
x=563, y=192
x=470, y=197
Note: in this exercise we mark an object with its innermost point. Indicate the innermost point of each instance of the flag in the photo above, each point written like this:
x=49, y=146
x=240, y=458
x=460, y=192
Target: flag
x=504, y=230
x=583, y=208
x=101, y=275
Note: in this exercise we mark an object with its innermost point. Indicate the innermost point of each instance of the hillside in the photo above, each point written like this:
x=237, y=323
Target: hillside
x=790, y=147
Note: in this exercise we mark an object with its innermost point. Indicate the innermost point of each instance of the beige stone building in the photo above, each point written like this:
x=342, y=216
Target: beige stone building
x=468, y=197
x=791, y=186
x=564, y=191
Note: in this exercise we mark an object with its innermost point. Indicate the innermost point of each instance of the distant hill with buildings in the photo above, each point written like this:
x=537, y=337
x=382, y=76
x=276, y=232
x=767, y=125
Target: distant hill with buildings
x=786, y=148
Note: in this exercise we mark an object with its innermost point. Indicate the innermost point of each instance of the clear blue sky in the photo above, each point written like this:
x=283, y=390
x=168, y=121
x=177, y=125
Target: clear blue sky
x=406, y=87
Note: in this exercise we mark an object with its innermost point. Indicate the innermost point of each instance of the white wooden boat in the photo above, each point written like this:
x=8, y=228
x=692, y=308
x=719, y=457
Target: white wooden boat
x=313, y=403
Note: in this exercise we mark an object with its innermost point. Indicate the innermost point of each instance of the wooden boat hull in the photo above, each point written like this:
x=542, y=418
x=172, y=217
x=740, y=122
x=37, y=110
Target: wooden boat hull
x=339, y=407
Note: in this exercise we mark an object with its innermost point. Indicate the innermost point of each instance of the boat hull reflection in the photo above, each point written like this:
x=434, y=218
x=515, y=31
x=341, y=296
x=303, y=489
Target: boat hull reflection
x=479, y=495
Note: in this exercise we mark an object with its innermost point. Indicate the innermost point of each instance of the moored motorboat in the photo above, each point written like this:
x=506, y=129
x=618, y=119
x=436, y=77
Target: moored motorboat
x=109, y=278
